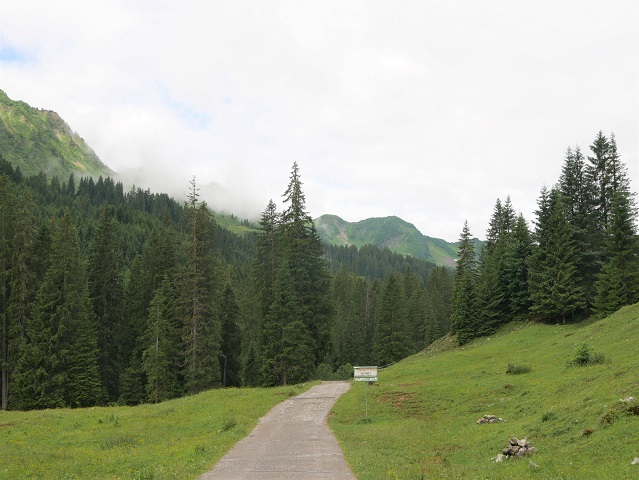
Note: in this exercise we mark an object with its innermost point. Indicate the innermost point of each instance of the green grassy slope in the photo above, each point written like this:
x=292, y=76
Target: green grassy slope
x=40, y=141
x=424, y=410
x=178, y=439
x=394, y=233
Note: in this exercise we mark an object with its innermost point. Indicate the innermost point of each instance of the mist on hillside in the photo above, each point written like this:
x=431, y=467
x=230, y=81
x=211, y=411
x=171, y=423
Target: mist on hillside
x=236, y=200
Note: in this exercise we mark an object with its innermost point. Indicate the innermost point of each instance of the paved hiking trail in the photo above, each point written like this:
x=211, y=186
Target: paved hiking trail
x=291, y=442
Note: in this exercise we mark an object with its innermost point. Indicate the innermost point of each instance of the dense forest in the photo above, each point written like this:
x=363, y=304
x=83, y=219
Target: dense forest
x=113, y=296
x=581, y=258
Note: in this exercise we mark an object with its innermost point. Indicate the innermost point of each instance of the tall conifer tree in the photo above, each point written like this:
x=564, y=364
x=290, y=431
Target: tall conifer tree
x=107, y=292
x=618, y=281
x=267, y=256
x=286, y=344
x=556, y=289
x=465, y=313
x=201, y=334
x=304, y=254
x=161, y=343
x=24, y=280
x=59, y=364
x=578, y=190
x=6, y=234
x=231, y=350
x=391, y=335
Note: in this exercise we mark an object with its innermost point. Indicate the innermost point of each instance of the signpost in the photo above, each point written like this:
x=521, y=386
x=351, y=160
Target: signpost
x=365, y=374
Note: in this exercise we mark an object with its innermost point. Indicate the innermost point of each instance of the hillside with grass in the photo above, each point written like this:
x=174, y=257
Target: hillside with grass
x=571, y=390
x=40, y=141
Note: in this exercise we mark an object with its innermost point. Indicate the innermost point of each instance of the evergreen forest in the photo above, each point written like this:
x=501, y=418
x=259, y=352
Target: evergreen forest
x=114, y=296
x=123, y=296
x=580, y=258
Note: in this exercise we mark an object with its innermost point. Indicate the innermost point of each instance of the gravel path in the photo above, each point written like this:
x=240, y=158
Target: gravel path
x=291, y=442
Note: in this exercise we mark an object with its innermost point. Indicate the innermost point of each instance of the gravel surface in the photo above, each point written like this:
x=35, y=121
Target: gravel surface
x=291, y=442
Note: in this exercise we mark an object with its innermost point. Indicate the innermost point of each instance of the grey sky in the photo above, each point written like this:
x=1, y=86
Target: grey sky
x=426, y=110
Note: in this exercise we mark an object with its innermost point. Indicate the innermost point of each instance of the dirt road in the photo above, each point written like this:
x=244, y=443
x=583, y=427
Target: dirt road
x=291, y=442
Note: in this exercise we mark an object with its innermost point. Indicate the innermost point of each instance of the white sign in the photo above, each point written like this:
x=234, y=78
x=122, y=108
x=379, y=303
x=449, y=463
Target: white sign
x=365, y=374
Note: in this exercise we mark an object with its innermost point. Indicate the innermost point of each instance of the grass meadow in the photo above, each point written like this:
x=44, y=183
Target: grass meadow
x=422, y=421
x=177, y=439
x=423, y=412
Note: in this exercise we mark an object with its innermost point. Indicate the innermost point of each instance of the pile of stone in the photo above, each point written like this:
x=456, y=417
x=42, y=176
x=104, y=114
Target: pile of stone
x=489, y=419
x=518, y=448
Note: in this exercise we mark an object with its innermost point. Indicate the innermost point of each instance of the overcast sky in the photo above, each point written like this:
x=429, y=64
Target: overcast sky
x=428, y=110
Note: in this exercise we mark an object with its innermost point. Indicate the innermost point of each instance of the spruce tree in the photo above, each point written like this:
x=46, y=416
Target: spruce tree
x=23, y=279
x=556, y=290
x=267, y=256
x=107, y=292
x=413, y=289
x=391, y=335
x=492, y=287
x=608, y=175
x=251, y=375
x=290, y=242
x=618, y=282
x=304, y=254
x=85, y=388
x=158, y=261
x=133, y=380
x=579, y=193
x=161, y=344
x=518, y=250
x=201, y=334
x=6, y=234
x=287, y=355
x=437, y=303
x=59, y=364
x=465, y=312
x=352, y=331
x=231, y=349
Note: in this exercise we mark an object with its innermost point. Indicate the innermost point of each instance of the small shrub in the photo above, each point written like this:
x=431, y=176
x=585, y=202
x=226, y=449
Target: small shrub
x=621, y=408
x=228, y=424
x=632, y=409
x=546, y=417
x=324, y=372
x=585, y=356
x=608, y=418
x=344, y=372
x=515, y=369
x=200, y=449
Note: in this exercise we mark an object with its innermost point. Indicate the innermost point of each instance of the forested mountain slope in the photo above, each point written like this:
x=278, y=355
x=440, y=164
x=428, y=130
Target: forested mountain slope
x=398, y=235
x=136, y=257
x=40, y=141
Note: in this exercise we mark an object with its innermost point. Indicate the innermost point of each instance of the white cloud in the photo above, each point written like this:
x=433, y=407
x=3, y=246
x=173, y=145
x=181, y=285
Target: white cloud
x=425, y=110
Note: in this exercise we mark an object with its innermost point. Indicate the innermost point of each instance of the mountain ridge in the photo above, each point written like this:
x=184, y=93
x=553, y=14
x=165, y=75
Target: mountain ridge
x=37, y=140
x=394, y=233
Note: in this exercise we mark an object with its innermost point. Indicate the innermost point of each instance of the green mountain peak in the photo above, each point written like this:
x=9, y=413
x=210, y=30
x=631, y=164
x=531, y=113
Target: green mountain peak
x=392, y=232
